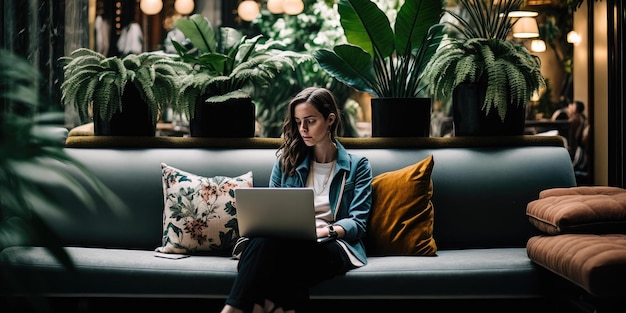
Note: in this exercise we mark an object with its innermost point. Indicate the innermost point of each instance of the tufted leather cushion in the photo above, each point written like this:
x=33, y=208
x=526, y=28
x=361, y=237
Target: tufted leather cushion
x=596, y=263
x=589, y=209
x=401, y=217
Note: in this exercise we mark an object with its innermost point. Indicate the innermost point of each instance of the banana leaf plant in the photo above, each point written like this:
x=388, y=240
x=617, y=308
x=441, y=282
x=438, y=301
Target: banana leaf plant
x=379, y=59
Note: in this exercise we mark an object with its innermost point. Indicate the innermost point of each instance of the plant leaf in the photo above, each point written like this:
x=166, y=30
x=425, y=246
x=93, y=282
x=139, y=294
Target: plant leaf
x=235, y=94
x=413, y=23
x=366, y=25
x=349, y=64
x=198, y=30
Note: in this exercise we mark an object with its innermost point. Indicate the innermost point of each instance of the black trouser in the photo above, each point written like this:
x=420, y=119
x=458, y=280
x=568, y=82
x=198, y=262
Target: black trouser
x=283, y=270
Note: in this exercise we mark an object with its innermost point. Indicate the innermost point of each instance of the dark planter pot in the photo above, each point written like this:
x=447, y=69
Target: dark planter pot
x=232, y=118
x=401, y=117
x=135, y=118
x=470, y=120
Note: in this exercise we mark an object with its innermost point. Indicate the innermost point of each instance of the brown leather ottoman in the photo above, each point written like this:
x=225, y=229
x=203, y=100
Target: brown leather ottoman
x=595, y=262
x=583, y=242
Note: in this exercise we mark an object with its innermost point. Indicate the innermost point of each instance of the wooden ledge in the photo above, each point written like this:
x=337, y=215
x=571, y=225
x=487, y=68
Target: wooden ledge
x=114, y=142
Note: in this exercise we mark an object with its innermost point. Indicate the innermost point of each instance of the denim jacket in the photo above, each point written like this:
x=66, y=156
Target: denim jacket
x=350, y=194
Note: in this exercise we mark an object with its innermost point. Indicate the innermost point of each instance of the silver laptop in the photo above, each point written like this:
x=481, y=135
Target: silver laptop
x=276, y=212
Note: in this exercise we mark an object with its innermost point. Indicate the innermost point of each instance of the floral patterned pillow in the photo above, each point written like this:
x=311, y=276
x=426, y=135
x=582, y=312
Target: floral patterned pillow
x=199, y=213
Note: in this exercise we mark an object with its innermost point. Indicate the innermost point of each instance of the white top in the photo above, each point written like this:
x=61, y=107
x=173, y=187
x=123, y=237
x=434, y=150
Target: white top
x=320, y=182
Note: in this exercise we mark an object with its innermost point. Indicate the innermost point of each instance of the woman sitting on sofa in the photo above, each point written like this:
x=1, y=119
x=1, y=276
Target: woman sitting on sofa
x=274, y=275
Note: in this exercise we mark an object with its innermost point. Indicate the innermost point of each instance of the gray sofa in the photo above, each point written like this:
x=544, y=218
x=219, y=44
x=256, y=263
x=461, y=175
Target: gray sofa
x=481, y=189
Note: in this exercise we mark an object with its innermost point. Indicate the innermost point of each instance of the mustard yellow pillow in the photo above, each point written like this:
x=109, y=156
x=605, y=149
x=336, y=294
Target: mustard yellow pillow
x=402, y=214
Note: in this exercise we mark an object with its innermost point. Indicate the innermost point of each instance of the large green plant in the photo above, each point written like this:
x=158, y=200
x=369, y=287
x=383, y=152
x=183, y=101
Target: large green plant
x=31, y=158
x=379, y=59
x=318, y=26
x=91, y=77
x=478, y=50
x=228, y=64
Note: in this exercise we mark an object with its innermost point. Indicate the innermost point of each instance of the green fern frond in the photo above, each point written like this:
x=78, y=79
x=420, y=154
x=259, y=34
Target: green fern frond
x=116, y=65
x=235, y=94
x=190, y=88
x=72, y=86
x=144, y=81
x=145, y=76
x=516, y=81
x=164, y=70
x=107, y=98
x=84, y=53
x=132, y=62
x=165, y=93
x=84, y=69
x=468, y=69
x=213, y=82
x=81, y=57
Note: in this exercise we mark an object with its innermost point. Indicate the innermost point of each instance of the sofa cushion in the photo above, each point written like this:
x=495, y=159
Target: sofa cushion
x=199, y=212
x=585, y=209
x=595, y=262
x=401, y=217
x=465, y=273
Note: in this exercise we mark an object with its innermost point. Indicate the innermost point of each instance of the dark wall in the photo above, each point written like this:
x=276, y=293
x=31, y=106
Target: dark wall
x=616, y=17
x=35, y=30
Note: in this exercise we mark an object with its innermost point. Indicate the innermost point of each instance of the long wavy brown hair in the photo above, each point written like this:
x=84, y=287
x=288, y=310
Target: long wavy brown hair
x=293, y=149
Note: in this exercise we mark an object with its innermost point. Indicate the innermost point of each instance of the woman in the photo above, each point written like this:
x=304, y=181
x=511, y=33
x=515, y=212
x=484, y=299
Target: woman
x=275, y=274
x=576, y=140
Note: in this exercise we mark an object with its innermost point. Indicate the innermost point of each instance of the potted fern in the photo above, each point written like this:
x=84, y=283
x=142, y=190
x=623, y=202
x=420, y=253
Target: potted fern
x=387, y=62
x=227, y=68
x=489, y=78
x=126, y=95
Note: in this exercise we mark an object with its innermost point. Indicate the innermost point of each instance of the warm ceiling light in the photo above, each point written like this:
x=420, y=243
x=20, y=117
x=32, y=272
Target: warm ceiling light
x=275, y=6
x=151, y=7
x=537, y=45
x=523, y=14
x=526, y=27
x=535, y=96
x=293, y=7
x=574, y=38
x=248, y=10
x=184, y=7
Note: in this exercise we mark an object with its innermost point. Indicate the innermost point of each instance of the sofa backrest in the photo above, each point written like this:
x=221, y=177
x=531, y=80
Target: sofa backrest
x=481, y=186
